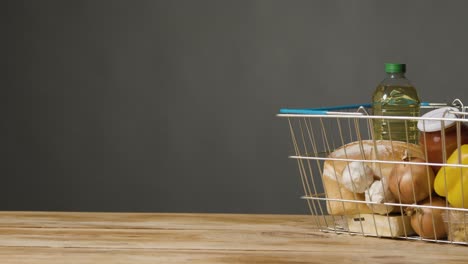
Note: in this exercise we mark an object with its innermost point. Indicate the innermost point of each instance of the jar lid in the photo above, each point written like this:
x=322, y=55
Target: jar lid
x=436, y=125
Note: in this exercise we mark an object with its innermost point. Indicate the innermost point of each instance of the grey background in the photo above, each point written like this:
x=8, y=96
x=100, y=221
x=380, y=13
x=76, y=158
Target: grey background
x=169, y=106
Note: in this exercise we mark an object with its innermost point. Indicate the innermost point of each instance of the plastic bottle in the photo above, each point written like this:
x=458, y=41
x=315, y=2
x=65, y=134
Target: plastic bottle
x=396, y=96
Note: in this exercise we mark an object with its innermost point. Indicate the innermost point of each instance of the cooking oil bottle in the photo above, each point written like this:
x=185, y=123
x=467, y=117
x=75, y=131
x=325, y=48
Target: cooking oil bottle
x=396, y=96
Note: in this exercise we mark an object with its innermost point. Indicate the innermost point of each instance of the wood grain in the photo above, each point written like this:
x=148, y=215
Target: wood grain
x=61, y=237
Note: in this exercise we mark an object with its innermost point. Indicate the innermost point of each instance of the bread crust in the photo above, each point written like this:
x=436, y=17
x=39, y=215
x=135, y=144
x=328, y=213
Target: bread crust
x=366, y=150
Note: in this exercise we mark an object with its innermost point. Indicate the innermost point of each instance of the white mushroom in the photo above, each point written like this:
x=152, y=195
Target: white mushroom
x=379, y=193
x=357, y=176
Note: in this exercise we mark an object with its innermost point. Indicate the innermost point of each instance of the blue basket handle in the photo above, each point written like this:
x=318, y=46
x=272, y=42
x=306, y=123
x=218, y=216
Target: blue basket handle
x=327, y=110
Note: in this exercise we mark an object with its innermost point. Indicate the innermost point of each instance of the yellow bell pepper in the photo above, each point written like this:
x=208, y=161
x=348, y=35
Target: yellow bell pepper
x=452, y=182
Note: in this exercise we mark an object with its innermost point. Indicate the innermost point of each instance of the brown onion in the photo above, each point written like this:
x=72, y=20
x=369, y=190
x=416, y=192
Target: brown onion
x=428, y=222
x=411, y=183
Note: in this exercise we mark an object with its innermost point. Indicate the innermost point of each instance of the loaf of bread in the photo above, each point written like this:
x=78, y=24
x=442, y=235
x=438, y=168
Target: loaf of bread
x=374, y=153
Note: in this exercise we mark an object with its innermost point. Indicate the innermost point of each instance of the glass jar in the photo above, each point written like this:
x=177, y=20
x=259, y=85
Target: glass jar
x=432, y=137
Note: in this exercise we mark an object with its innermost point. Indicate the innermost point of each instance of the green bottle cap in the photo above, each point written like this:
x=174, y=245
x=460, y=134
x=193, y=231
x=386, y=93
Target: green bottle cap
x=395, y=67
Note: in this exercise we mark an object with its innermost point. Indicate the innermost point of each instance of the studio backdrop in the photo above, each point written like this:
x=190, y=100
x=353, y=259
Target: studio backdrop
x=170, y=106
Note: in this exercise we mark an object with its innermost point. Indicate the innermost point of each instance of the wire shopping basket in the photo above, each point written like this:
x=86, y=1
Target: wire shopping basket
x=357, y=184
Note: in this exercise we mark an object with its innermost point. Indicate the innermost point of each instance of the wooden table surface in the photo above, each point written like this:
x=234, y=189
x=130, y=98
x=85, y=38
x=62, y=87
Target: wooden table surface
x=61, y=237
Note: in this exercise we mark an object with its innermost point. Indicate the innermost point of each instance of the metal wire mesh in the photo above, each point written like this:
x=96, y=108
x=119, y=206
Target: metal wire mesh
x=325, y=141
